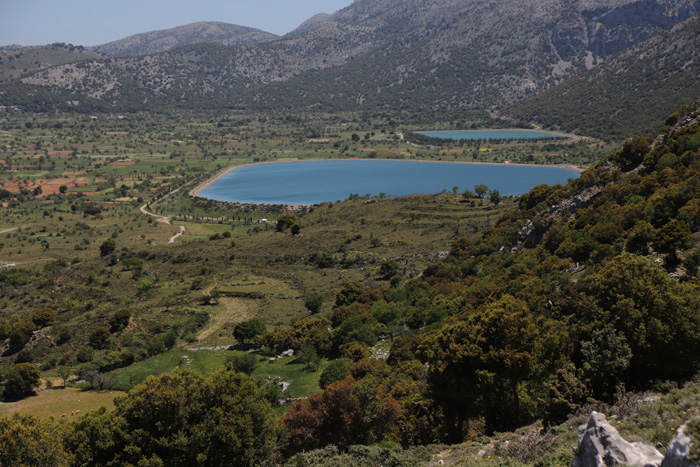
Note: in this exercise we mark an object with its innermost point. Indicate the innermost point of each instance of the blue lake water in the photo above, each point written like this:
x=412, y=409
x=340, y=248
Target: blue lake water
x=490, y=134
x=313, y=182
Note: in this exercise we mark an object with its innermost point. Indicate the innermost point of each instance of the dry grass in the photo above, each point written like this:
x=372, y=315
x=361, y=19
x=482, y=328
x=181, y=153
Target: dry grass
x=57, y=402
x=231, y=310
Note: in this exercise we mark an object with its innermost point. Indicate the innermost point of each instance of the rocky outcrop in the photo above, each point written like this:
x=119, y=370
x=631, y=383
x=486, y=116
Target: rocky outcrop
x=601, y=445
x=678, y=452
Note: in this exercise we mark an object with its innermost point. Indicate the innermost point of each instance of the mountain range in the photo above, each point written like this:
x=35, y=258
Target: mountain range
x=378, y=54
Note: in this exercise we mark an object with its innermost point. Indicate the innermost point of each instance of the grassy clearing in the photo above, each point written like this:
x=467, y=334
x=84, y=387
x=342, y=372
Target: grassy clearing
x=56, y=402
x=204, y=361
x=303, y=380
x=229, y=311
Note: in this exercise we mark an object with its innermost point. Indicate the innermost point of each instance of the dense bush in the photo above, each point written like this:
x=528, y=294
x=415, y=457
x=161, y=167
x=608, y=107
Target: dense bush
x=21, y=381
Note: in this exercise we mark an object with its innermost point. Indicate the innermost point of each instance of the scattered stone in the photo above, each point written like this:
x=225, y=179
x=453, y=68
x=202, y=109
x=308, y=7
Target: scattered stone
x=220, y=347
x=678, y=452
x=599, y=444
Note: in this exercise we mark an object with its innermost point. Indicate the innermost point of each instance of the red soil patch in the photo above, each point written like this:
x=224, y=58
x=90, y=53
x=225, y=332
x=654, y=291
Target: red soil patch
x=318, y=140
x=48, y=186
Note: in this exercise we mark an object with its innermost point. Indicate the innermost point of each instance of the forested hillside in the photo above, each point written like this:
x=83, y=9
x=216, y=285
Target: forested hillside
x=585, y=291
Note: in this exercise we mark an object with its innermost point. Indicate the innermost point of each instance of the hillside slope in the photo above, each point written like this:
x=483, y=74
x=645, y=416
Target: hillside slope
x=312, y=22
x=20, y=61
x=583, y=292
x=385, y=53
x=155, y=42
x=630, y=92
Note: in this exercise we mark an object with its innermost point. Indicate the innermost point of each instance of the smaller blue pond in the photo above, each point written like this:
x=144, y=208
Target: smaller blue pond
x=490, y=134
x=312, y=182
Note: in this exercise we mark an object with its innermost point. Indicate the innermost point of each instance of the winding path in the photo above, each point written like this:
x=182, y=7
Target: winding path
x=164, y=219
x=159, y=218
x=182, y=231
x=13, y=229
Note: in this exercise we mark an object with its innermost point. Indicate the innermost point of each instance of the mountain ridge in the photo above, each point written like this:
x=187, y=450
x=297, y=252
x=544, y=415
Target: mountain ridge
x=154, y=42
x=389, y=54
x=312, y=22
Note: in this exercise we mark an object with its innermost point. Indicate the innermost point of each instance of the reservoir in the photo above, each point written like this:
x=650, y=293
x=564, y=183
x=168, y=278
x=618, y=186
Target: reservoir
x=313, y=182
x=490, y=134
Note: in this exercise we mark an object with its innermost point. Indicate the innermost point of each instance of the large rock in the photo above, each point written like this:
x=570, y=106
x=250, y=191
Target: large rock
x=677, y=454
x=599, y=444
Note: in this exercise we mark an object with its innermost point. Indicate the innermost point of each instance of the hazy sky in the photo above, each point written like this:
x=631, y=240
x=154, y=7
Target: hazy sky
x=95, y=22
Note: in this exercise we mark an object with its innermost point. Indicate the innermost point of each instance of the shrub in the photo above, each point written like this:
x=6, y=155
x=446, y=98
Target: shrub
x=21, y=380
x=29, y=440
x=119, y=320
x=388, y=269
x=20, y=334
x=99, y=338
x=336, y=371
x=43, y=316
x=107, y=247
x=247, y=330
x=244, y=363
x=313, y=302
x=84, y=355
x=354, y=351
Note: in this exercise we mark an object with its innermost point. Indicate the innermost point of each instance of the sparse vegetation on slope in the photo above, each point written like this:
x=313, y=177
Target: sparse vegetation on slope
x=630, y=93
x=400, y=54
x=154, y=42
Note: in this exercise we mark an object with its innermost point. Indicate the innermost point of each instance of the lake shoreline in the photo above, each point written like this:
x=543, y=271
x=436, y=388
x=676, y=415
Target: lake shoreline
x=287, y=207
x=196, y=190
x=544, y=134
